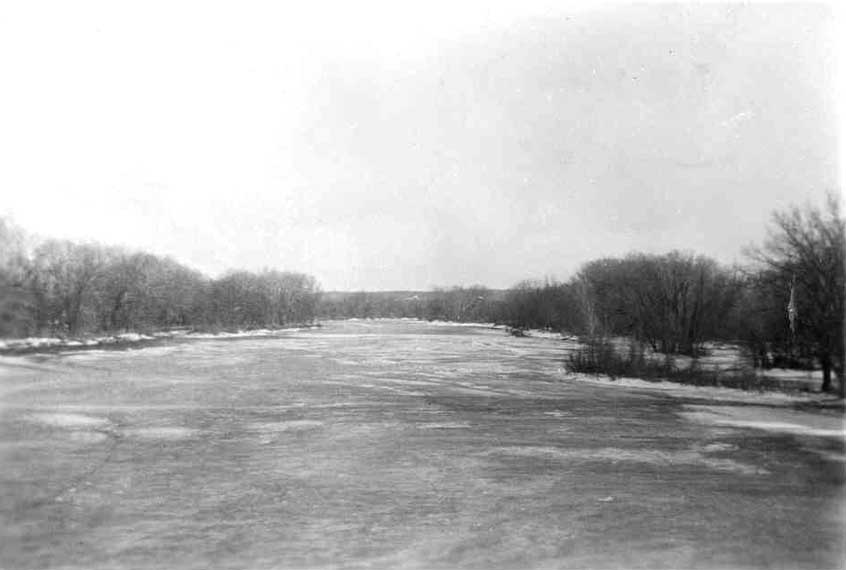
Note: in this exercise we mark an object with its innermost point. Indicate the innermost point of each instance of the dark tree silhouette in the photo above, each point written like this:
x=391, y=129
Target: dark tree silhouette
x=805, y=252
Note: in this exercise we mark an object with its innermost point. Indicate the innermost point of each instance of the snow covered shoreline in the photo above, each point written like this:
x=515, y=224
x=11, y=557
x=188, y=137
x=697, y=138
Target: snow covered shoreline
x=47, y=344
x=770, y=397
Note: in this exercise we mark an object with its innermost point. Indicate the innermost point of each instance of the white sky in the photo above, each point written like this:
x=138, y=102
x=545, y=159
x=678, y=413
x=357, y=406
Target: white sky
x=381, y=145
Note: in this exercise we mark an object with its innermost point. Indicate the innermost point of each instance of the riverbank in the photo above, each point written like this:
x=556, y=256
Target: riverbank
x=34, y=345
x=721, y=367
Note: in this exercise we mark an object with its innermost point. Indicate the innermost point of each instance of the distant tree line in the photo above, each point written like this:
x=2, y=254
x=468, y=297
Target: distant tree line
x=476, y=304
x=67, y=289
x=672, y=302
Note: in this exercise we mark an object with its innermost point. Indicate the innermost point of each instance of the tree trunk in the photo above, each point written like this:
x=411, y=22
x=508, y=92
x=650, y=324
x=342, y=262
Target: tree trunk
x=826, y=368
x=841, y=381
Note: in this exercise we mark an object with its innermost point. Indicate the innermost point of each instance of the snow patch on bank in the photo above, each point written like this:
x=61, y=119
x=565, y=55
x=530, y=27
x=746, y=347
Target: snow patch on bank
x=456, y=324
x=690, y=391
x=768, y=419
x=34, y=343
x=237, y=334
x=530, y=333
x=537, y=333
x=31, y=342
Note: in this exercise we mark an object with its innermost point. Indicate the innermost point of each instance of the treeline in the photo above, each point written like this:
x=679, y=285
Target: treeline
x=458, y=304
x=62, y=288
x=672, y=303
x=786, y=305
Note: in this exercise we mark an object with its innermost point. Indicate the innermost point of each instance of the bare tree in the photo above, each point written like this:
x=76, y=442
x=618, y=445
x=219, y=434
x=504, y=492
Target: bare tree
x=63, y=276
x=672, y=302
x=15, y=300
x=805, y=254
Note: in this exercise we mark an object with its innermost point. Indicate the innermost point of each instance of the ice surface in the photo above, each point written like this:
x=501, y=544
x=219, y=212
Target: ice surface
x=160, y=432
x=70, y=420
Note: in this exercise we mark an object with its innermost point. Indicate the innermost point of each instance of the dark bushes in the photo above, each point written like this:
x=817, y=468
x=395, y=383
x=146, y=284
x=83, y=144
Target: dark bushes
x=601, y=357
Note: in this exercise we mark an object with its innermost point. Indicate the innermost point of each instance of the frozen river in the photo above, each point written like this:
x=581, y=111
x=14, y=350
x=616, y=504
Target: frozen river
x=398, y=444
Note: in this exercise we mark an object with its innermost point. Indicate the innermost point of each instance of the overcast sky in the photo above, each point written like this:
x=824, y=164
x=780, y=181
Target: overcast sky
x=386, y=146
